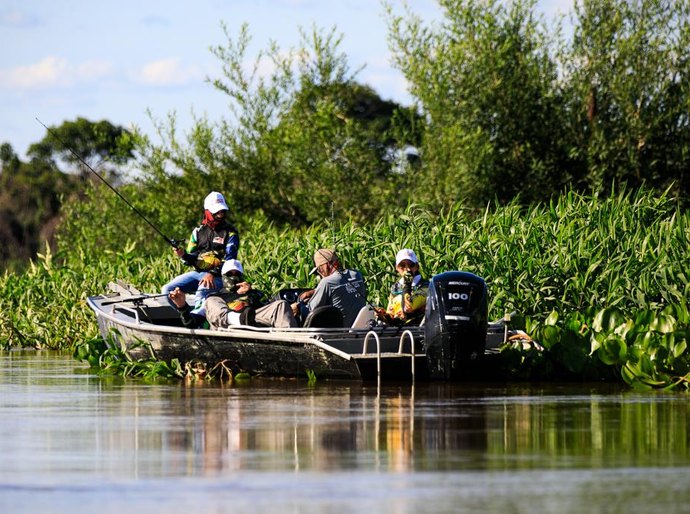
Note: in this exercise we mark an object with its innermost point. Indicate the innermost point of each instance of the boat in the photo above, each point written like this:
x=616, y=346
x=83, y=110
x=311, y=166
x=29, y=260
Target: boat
x=453, y=342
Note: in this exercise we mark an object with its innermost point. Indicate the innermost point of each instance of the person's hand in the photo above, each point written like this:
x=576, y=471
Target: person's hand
x=295, y=309
x=178, y=298
x=407, y=303
x=382, y=314
x=244, y=287
x=207, y=282
x=179, y=251
x=306, y=295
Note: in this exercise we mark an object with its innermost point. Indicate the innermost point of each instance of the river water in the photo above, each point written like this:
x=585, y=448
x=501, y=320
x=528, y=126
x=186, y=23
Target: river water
x=73, y=442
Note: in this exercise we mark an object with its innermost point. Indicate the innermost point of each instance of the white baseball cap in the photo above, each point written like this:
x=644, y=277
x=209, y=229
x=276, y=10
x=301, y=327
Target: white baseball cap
x=406, y=255
x=230, y=265
x=215, y=202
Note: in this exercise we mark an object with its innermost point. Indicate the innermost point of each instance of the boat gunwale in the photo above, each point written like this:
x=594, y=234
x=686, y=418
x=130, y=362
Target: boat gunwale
x=294, y=335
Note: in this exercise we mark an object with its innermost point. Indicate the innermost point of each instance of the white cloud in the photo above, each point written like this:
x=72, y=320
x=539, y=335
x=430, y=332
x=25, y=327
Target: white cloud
x=49, y=72
x=52, y=71
x=167, y=72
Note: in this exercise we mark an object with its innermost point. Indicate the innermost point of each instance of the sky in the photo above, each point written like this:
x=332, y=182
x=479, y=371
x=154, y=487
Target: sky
x=119, y=60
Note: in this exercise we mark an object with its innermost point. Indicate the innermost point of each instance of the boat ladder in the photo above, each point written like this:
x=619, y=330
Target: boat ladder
x=412, y=354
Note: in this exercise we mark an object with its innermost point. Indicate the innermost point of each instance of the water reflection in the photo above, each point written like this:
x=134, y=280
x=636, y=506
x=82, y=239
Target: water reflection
x=59, y=420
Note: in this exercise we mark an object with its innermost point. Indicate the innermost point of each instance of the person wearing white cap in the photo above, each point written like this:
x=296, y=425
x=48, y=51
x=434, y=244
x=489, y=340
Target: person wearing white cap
x=237, y=303
x=211, y=243
x=407, y=298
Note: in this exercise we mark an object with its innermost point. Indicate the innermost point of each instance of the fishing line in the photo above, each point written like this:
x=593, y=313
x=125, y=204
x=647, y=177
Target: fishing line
x=171, y=242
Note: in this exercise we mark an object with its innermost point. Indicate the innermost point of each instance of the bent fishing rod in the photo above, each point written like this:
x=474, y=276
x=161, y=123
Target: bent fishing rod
x=172, y=242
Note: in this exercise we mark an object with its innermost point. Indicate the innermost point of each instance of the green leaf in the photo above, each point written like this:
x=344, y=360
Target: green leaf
x=663, y=323
x=552, y=319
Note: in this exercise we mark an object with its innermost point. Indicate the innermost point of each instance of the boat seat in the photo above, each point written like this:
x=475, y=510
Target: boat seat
x=290, y=295
x=364, y=318
x=325, y=316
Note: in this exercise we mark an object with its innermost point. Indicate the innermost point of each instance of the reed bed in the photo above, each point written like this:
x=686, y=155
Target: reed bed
x=557, y=267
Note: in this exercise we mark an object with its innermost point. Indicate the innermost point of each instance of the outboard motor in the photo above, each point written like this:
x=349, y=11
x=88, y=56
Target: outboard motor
x=455, y=323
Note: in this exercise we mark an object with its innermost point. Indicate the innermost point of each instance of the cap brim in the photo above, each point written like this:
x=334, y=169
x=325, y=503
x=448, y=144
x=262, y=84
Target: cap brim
x=314, y=270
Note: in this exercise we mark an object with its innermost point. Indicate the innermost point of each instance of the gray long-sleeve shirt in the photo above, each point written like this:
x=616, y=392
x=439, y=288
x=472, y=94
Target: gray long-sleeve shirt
x=344, y=289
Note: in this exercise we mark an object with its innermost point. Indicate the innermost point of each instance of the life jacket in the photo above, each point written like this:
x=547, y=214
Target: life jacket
x=418, y=292
x=211, y=246
x=238, y=302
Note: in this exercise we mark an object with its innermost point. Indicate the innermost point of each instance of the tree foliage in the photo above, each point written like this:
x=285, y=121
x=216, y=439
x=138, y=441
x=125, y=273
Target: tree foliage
x=298, y=144
x=516, y=109
x=627, y=84
x=484, y=79
x=32, y=193
x=97, y=143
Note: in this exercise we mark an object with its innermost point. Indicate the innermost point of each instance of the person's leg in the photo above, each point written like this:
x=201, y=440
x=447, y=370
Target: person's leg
x=276, y=314
x=203, y=292
x=187, y=282
x=217, y=312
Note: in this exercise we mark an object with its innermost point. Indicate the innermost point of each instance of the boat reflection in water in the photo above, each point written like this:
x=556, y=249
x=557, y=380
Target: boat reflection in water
x=75, y=442
x=438, y=426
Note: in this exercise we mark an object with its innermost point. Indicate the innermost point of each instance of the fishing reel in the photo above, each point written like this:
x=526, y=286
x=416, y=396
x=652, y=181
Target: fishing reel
x=407, y=282
x=177, y=243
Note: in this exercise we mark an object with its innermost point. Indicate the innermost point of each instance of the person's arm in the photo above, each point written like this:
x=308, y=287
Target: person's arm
x=190, y=254
x=232, y=246
x=387, y=315
x=321, y=295
x=305, y=295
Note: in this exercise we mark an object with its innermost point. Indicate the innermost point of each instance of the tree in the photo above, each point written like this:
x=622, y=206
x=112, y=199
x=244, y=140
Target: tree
x=31, y=195
x=95, y=142
x=298, y=144
x=485, y=82
x=628, y=78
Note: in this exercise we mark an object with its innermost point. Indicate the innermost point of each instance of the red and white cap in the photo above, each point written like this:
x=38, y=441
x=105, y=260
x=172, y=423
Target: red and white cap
x=215, y=202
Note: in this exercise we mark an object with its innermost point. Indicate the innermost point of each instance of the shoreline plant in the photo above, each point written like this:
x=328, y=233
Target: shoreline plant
x=601, y=283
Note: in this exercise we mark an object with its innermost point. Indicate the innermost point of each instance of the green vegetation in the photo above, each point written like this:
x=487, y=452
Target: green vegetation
x=601, y=283
x=513, y=106
x=555, y=167
x=112, y=360
x=32, y=193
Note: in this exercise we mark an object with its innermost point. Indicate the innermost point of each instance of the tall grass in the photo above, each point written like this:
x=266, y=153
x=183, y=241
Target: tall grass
x=577, y=255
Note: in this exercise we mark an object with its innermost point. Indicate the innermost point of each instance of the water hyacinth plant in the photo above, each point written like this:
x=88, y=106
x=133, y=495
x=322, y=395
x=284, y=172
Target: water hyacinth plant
x=565, y=268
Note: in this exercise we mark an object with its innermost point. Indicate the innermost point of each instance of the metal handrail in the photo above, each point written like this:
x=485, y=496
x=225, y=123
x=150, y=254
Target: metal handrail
x=412, y=348
x=405, y=334
x=378, y=350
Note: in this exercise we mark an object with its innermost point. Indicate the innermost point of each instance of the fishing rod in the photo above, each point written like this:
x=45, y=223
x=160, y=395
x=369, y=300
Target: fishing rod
x=172, y=242
x=135, y=299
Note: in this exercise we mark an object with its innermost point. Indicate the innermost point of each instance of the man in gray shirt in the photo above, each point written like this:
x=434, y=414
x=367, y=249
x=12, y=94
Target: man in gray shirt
x=342, y=288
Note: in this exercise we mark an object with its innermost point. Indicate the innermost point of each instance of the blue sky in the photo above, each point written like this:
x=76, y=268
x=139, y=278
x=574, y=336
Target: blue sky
x=114, y=60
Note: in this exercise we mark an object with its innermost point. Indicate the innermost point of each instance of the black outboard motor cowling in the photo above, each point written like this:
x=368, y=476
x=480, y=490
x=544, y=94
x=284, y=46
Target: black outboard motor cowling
x=455, y=323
